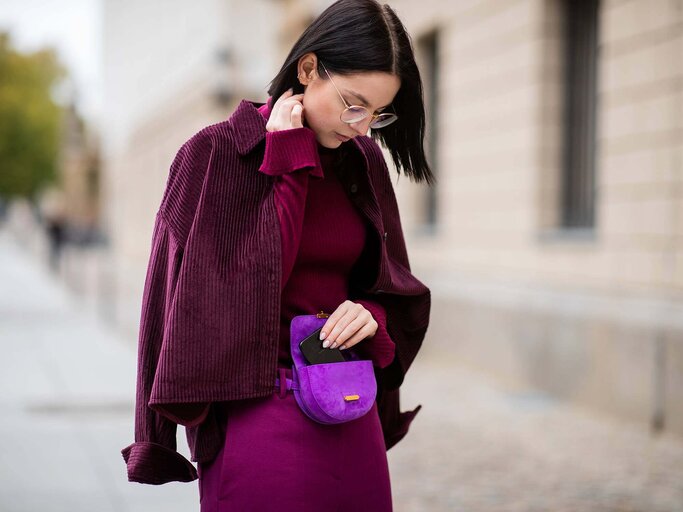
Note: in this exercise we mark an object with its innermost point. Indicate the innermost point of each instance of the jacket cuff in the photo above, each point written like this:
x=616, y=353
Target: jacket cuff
x=152, y=463
x=380, y=348
x=290, y=150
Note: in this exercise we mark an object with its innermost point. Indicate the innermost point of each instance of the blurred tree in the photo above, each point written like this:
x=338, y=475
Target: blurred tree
x=29, y=120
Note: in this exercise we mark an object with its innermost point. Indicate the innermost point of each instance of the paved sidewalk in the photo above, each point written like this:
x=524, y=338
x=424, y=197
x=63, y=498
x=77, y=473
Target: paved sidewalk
x=68, y=384
x=490, y=450
x=67, y=389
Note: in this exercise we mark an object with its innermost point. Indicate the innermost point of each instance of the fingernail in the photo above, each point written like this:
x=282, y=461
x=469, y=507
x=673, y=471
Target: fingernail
x=342, y=348
x=326, y=343
x=322, y=335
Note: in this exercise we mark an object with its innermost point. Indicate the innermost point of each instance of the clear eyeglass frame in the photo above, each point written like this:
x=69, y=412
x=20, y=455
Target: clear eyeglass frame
x=355, y=113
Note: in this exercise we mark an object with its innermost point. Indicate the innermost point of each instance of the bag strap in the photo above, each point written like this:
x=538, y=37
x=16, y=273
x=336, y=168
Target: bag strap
x=289, y=384
x=284, y=383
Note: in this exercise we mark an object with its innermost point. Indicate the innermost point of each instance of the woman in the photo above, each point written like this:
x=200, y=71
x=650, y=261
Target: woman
x=249, y=235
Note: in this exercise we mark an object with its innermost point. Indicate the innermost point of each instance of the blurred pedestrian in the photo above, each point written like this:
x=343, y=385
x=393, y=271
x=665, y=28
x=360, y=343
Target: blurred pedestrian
x=53, y=214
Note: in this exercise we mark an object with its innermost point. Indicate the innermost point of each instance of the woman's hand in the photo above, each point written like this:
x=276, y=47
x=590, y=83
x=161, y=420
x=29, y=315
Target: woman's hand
x=287, y=112
x=349, y=324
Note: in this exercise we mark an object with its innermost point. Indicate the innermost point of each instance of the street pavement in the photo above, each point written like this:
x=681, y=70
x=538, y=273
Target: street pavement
x=68, y=382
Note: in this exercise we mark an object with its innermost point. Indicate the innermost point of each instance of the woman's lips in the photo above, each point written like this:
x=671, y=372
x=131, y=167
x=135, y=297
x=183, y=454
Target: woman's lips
x=341, y=137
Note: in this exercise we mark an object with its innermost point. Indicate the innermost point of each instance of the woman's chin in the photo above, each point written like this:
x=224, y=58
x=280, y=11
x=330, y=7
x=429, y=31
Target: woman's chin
x=330, y=143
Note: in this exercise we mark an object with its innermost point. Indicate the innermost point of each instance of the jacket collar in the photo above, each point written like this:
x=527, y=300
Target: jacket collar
x=250, y=126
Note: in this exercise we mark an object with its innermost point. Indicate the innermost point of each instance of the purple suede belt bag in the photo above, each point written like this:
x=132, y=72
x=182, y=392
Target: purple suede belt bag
x=329, y=392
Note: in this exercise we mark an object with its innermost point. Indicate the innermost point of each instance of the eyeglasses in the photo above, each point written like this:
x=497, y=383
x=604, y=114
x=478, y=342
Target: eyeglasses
x=354, y=113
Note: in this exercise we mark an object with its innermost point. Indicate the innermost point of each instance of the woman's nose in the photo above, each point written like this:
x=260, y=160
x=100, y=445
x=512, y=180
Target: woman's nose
x=362, y=126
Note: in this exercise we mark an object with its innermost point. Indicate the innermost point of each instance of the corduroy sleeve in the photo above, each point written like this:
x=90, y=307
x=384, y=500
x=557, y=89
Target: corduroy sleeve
x=380, y=348
x=152, y=458
x=290, y=150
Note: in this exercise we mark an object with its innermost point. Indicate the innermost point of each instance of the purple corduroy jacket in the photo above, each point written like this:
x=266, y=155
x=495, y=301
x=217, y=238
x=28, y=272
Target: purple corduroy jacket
x=210, y=317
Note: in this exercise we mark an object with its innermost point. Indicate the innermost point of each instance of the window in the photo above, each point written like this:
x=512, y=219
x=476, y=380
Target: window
x=579, y=142
x=428, y=48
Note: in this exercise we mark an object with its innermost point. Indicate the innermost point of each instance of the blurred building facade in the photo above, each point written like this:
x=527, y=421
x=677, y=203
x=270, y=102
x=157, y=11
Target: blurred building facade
x=553, y=241
x=166, y=77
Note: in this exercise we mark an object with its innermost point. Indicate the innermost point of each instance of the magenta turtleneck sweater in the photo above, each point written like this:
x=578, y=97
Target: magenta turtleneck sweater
x=323, y=235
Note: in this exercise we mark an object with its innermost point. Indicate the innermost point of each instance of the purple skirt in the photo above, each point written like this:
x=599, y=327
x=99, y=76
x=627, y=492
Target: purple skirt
x=275, y=458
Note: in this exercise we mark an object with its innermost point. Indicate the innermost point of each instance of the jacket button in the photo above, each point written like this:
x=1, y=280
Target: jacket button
x=385, y=235
x=354, y=188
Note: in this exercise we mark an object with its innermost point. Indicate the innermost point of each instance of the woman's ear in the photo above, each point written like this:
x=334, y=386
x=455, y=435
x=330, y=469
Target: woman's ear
x=307, y=68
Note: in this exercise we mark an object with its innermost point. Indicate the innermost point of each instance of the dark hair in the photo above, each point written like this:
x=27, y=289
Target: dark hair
x=352, y=36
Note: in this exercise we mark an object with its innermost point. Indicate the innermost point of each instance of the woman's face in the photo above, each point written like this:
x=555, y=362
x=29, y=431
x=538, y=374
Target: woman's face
x=323, y=106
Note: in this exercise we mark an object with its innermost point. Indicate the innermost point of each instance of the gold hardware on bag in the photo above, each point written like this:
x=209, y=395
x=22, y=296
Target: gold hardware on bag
x=322, y=314
x=350, y=398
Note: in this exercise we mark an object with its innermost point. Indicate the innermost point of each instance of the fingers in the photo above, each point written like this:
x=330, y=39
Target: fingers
x=295, y=118
x=345, y=329
x=349, y=324
x=365, y=332
x=287, y=97
x=287, y=112
x=287, y=94
x=283, y=97
x=332, y=320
